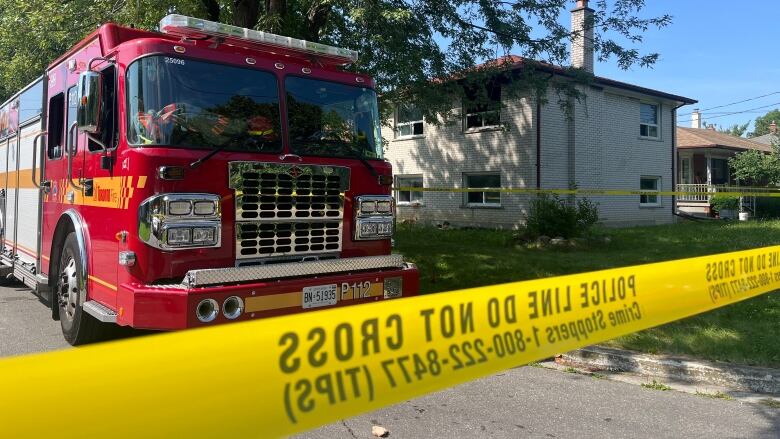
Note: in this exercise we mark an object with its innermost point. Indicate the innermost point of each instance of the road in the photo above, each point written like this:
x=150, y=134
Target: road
x=528, y=402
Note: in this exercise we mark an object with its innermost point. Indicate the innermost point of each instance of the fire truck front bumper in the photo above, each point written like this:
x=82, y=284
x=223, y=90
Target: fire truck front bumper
x=214, y=296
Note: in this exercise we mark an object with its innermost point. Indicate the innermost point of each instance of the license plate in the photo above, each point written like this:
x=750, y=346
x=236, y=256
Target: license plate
x=320, y=295
x=359, y=290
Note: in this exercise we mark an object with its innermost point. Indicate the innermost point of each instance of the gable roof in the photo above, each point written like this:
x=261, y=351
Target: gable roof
x=518, y=63
x=689, y=138
x=766, y=139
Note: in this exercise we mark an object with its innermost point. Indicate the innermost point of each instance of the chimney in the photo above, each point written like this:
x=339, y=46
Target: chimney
x=696, y=119
x=582, y=36
x=773, y=128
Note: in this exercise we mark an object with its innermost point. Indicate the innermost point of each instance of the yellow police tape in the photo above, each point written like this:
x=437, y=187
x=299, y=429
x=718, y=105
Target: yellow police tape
x=730, y=192
x=283, y=375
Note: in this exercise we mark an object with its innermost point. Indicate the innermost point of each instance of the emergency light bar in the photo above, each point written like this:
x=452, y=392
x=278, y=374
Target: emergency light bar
x=184, y=26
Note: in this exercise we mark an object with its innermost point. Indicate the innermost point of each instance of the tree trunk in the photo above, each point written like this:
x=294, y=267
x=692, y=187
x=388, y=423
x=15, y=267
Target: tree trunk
x=246, y=13
x=212, y=9
x=276, y=7
x=316, y=19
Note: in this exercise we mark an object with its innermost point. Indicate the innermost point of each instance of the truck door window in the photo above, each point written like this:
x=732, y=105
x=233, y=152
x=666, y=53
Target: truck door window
x=108, y=112
x=71, y=118
x=56, y=126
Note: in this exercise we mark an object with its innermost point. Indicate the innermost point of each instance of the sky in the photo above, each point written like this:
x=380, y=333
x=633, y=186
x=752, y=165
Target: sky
x=715, y=51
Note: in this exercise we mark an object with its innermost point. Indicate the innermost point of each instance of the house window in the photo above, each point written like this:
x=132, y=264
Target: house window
x=720, y=171
x=408, y=122
x=650, y=185
x=408, y=196
x=482, y=198
x=648, y=120
x=482, y=108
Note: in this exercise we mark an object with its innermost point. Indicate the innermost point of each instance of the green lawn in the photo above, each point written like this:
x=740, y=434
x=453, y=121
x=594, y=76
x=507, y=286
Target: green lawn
x=747, y=332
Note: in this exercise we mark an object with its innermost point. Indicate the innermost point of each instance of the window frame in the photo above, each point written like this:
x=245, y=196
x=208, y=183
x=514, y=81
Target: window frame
x=492, y=107
x=657, y=123
x=484, y=203
x=412, y=201
x=725, y=168
x=113, y=142
x=650, y=192
x=409, y=123
x=61, y=130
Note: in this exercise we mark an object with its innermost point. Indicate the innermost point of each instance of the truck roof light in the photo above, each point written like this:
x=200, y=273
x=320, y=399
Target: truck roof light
x=184, y=26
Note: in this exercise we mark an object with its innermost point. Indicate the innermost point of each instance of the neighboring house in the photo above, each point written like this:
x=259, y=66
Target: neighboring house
x=620, y=137
x=770, y=138
x=702, y=162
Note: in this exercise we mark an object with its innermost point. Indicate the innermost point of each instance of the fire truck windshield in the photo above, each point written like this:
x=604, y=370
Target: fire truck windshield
x=194, y=104
x=332, y=119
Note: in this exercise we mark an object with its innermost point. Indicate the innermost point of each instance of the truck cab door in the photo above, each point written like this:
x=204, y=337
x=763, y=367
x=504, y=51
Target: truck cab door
x=102, y=200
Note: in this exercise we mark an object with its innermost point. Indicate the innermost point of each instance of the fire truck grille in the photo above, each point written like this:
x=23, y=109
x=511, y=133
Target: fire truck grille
x=287, y=210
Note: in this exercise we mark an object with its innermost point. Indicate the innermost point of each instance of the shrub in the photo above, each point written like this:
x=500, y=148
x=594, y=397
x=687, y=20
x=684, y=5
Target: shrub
x=552, y=216
x=724, y=202
x=767, y=208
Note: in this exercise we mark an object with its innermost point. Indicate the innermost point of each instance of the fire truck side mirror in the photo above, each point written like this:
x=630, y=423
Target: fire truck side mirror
x=89, y=102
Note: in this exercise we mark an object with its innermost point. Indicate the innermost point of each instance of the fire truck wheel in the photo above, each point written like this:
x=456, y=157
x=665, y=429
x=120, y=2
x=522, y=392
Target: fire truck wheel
x=78, y=327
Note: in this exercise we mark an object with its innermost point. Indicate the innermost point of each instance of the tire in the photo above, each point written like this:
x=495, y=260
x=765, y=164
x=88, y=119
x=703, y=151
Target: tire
x=78, y=327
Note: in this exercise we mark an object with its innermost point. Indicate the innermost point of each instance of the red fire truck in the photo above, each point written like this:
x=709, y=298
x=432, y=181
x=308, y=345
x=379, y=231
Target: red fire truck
x=200, y=175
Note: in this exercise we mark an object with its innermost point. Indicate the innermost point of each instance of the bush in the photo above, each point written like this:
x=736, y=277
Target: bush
x=724, y=202
x=767, y=207
x=551, y=216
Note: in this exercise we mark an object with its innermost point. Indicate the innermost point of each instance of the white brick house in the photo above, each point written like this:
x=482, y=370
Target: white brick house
x=620, y=137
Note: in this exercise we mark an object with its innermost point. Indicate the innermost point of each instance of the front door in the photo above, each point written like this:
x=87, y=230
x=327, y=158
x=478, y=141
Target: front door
x=686, y=176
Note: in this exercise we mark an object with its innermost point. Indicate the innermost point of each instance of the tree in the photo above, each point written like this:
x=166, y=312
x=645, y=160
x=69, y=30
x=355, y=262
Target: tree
x=755, y=168
x=736, y=130
x=404, y=44
x=763, y=123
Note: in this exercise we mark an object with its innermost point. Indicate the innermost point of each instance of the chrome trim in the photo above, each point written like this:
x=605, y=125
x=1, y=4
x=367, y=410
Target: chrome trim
x=154, y=220
x=212, y=315
x=239, y=308
x=285, y=209
x=217, y=276
x=80, y=230
x=127, y=258
x=35, y=158
x=69, y=151
x=99, y=311
x=361, y=217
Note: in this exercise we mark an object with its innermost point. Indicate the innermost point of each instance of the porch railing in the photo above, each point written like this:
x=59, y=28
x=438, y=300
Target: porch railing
x=702, y=193
x=698, y=193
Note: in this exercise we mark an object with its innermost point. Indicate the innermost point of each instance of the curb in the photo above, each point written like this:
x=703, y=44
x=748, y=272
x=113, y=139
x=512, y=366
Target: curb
x=743, y=378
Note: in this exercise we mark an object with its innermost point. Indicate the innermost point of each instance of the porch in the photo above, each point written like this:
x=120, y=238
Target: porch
x=696, y=198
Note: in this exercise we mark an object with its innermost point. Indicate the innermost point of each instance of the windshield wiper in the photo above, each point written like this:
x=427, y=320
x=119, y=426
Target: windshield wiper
x=211, y=154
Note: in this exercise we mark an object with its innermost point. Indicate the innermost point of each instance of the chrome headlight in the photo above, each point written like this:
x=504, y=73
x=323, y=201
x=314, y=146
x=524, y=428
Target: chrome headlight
x=373, y=217
x=180, y=221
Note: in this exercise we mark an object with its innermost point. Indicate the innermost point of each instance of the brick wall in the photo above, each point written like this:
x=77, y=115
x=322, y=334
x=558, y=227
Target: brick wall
x=599, y=147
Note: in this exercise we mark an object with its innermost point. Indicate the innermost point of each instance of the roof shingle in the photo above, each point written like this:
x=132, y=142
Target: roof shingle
x=704, y=138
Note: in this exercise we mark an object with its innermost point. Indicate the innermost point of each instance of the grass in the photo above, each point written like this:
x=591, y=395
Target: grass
x=770, y=403
x=716, y=395
x=745, y=333
x=655, y=385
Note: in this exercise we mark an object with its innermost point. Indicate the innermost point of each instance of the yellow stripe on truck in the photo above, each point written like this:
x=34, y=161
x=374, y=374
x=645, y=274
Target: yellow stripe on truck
x=278, y=376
